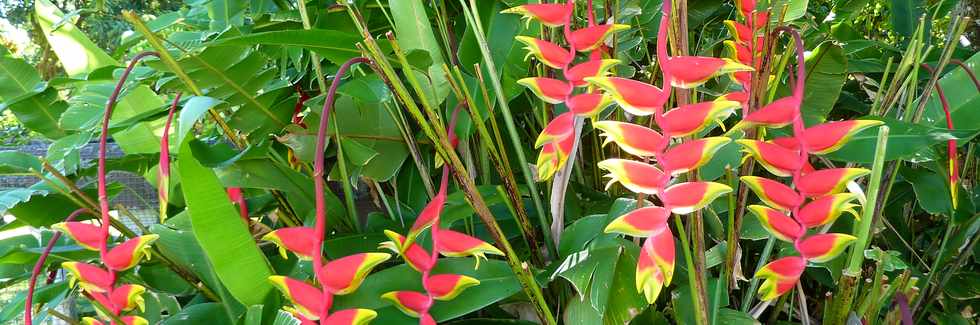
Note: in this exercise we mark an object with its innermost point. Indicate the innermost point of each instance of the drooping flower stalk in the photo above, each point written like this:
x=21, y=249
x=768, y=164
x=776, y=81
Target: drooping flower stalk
x=444, y=241
x=98, y=283
x=29, y=300
x=954, y=170
x=342, y=276
x=163, y=169
x=815, y=198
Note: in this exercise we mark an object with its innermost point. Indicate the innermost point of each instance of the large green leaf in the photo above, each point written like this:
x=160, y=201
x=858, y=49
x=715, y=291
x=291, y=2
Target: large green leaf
x=242, y=78
x=962, y=95
x=826, y=71
x=905, y=141
x=206, y=313
x=226, y=240
x=77, y=53
x=795, y=9
x=18, y=163
x=333, y=45
x=414, y=32
x=496, y=283
x=28, y=97
x=298, y=187
x=226, y=13
x=905, y=16
x=507, y=54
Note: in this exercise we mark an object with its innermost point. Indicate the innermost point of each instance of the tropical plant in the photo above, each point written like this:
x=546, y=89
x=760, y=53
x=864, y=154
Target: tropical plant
x=291, y=142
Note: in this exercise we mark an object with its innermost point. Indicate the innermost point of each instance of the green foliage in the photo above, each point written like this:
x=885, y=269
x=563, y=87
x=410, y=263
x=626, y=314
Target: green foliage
x=249, y=116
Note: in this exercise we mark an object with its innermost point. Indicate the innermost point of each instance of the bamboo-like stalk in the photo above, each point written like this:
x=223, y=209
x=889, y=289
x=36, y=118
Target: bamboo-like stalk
x=473, y=19
x=442, y=146
x=847, y=284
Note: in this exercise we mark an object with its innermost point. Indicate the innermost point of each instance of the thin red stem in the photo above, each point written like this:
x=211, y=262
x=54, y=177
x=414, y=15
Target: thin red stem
x=954, y=172
x=164, y=169
x=969, y=72
x=29, y=300
x=101, y=177
x=319, y=188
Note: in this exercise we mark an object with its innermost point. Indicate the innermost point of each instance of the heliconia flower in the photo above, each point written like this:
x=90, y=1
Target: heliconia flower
x=89, y=277
x=635, y=139
x=344, y=275
x=693, y=118
x=745, y=7
x=828, y=137
x=592, y=68
x=744, y=79
x=546, y=52
x=684, y=198
x=642, y=222
x=742, y=97
x=548, y=162
x=427, y=217
x=777, y=114
x=826, y=209
x=416, y=257
x=691, y=155
x=128, y=297
x=780, y=276
x=637, y=98
x=128, y=320
x=739, y=52
x=823, y=247
x=773, y=193
x=351, y=317
x=590, y=38
x=235, y=194
x=758, y=21
x=447, y=286
x=561, y=127
x=549, y=14
x=588, y=105
x=306, y=298
x=691, y=71
x=636, y=176
x=742, y=33
x=828, y=181
x=777, y=160
x=126, y=255
x=299, y=240
x=778, y=224
x=552, y=91
x=655, y=265
x=553, y=156
x=457, y=244
x=86, y=235
x=409, y=302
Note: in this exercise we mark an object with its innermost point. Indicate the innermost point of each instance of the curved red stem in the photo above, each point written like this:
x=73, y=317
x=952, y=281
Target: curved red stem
x=969, y=72
x=164, y=169
x=29, y=300
x=321, y=207
x=954, y=172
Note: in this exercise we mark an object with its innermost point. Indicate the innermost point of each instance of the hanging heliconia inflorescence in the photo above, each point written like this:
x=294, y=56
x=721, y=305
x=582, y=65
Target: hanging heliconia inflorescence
x=341, y=276
x=656, y=261
x=557, y=140
x=814, y=199
x=100, y=283
x=447, y=242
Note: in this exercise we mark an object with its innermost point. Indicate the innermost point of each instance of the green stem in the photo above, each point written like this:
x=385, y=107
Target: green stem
x=691, y=277
x=867, y=214
x=754, y=285
x=473, y=19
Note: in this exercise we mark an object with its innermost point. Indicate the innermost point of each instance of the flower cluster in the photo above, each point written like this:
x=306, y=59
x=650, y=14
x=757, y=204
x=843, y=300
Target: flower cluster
x=342, y=276
x=656, y=261
x=815, y=199
x=447, y=242
x=557, y=140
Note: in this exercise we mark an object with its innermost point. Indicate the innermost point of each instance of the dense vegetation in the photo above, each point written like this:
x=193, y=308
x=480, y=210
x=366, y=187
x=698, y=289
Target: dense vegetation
x=494, y=162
